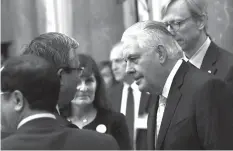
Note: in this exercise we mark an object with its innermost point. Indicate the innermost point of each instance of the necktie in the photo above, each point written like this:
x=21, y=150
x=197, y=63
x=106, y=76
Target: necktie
x=160, y=111
x=130, y=113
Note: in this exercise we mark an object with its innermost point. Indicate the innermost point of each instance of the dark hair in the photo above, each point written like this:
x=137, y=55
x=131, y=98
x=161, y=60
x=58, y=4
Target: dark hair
x=54, y=47
x=89, y=67
x=35, y=78
x=107, y=63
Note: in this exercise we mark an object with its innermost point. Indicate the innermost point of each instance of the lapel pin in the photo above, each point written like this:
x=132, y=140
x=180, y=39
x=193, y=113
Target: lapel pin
x=101, y=128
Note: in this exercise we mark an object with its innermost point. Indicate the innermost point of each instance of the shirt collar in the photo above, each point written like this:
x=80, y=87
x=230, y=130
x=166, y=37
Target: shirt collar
x=198, y=57
x=170, y=78
x=134, y=86
x=35, y=116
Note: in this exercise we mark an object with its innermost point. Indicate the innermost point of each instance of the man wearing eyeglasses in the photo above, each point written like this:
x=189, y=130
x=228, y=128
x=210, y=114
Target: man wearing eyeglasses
x=187, y=21
x=29, y=93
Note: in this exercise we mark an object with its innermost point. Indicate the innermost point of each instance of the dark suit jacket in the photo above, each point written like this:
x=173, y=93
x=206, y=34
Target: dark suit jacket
x=48, y=134
x=196, y=116
x=115, y=94
x=218, y=61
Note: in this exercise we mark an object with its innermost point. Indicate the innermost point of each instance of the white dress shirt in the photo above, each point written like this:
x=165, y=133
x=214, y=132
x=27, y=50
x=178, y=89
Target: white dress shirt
x=198, y=57
x=165, y=93
x=35, y=116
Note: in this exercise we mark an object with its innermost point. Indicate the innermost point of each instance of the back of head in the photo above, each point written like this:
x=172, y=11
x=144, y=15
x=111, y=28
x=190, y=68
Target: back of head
x=151, y=34
x=35, y=78
x=54, y=47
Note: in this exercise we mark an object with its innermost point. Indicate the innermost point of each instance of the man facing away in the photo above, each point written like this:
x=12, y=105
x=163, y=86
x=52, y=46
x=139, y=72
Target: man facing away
x=187, y=21
x=29, y=93
x=191, y=110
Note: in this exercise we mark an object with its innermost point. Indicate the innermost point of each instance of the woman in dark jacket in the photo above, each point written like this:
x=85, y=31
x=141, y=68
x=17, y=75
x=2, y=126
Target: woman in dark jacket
x=89, y=108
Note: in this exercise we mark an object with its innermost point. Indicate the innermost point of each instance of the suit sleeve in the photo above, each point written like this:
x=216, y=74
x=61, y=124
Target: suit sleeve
x=121, y=133
x=214, y=115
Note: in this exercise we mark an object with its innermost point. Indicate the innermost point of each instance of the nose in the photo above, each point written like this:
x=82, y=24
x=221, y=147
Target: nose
x=82, y=86
x=129, y=68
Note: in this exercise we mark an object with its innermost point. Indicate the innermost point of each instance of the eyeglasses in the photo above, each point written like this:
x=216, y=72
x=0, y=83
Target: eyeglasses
x=175, y=25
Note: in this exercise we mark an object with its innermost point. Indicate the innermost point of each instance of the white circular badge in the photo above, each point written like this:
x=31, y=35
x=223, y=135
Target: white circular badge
x=101, y=128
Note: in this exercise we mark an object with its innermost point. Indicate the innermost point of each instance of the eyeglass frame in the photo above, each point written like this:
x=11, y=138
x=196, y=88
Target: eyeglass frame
x=177, y=23
x=68, y=70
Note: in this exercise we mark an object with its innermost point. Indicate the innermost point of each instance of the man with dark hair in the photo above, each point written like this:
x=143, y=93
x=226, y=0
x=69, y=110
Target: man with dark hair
x=58, y=49
x=29, y=94
x=187, y=22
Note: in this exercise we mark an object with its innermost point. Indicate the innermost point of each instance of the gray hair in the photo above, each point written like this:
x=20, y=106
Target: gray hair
x=197, y=8
x=151, y=34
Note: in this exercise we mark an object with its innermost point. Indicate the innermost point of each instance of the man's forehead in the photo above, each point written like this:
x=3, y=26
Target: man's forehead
x=130, y=49
x=177, y=10
x=116, y=53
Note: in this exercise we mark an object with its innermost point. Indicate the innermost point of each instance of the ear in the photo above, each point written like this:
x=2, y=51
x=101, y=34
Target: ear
x=18, y=100
x=202, y=22
x=162, y=53
x=60, y=74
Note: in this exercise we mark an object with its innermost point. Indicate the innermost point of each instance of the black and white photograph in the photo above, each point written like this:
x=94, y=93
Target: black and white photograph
x=116, y=75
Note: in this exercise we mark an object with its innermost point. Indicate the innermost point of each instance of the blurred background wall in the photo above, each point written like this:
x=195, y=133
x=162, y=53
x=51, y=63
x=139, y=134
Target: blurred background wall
x=96, y=24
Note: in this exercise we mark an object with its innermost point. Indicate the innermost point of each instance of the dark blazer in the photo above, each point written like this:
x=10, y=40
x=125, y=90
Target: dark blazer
x=217, y=61
x=115, y=94
x=114, y=122
x=48, y=134
x=195, y=116
x=116, y=126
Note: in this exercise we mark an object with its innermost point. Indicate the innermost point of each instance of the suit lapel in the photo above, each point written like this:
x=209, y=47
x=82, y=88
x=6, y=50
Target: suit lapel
x=172, y=102
x=144, y=101
x=151, y=125
x=210, y=59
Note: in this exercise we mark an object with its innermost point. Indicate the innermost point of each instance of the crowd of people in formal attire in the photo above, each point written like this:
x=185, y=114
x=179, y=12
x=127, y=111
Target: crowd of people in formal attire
x=166, y=85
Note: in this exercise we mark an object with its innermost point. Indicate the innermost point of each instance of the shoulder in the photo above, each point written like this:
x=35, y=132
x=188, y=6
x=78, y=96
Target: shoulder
x=222, y=54
x=90, y=136
x=196, y=77
x=9, y=142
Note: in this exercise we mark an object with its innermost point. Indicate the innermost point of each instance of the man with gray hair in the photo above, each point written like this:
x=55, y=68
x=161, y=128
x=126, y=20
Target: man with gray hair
x=187, y=21
x=57, y=49
x=189, y=113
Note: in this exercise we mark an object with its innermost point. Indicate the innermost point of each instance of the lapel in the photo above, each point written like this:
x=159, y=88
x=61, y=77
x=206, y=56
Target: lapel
x=151, y=124
x=210, y=59
x=144, y=102
x=116, y=96
x=172, y=102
